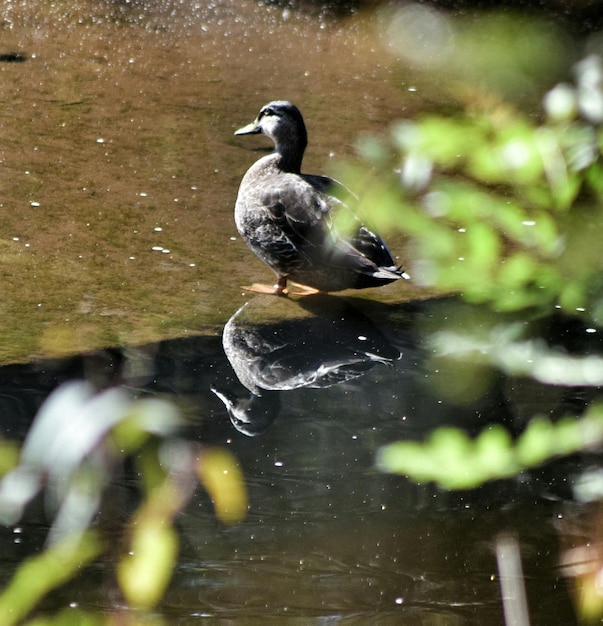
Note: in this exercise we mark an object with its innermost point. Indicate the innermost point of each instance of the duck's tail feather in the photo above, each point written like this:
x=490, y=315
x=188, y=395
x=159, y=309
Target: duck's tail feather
x=391, y=273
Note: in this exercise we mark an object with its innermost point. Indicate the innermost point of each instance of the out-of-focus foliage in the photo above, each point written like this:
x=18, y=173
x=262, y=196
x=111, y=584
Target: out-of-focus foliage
x=503, y=346
x=503, y=208
x=497, y=207
x=222, y=479
x=581, y=559
x=455, y=461
x=78, y=442
x=508, y=52
x=44, y=572
x=507, y=212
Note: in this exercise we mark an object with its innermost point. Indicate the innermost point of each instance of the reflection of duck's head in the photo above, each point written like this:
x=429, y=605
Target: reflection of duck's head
x=250, y=415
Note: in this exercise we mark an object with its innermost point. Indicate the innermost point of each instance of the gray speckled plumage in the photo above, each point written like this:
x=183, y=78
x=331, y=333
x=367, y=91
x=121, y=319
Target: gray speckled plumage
x=284, y=216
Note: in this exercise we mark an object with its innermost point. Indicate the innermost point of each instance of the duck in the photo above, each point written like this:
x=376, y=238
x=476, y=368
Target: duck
x=286, y=217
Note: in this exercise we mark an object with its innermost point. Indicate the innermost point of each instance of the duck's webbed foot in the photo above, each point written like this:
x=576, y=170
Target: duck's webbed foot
x=270, y=290
x=279, y=289
x=303, y=290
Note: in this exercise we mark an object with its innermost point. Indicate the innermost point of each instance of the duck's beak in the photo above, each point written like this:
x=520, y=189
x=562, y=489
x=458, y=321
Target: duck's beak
x=250, y=129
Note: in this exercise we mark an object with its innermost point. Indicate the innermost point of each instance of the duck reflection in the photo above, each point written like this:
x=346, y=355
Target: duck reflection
x=327, y=342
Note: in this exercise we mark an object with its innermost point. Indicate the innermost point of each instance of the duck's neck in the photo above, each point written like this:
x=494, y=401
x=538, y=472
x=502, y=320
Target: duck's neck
x=291, y=153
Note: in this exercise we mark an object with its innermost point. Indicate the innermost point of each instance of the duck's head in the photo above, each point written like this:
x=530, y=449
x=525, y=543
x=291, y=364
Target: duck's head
x=283, y=123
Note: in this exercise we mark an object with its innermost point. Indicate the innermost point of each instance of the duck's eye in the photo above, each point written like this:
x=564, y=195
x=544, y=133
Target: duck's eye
x=267, y=112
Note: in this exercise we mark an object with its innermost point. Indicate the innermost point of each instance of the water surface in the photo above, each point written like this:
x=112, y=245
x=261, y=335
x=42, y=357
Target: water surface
x=118, y=174
x=119, y=167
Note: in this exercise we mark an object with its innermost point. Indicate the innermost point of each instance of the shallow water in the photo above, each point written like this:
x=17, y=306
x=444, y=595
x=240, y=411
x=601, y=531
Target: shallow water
x=119, y=166
x=118, y=172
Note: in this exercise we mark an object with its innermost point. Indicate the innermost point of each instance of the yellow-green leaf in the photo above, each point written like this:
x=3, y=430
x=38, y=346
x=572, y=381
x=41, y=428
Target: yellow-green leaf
x=221, y=476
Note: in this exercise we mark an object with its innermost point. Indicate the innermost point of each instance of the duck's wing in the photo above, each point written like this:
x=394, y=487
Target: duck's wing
x=300, y=221
x=300, y=209
x=337, y=192
x=361, y=239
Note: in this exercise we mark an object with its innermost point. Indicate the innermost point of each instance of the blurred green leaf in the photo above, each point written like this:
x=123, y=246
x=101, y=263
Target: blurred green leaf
x=152, y=473
x=446, y=142
x=146, y=571
x=454, y=461
x=143, y=418
x=513, y=157
x=222, y=478
x=40, y=574
x=72, y=617
x=494, y=454
x=524, y=192
x=9, y=455
x=535, y=445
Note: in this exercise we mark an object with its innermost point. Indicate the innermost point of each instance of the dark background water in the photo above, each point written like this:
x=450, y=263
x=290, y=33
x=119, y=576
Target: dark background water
x=327, y=537
x=120, y=262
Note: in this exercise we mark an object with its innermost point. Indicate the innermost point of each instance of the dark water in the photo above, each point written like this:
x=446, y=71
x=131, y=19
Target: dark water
x=118, y=173
x=328, y=539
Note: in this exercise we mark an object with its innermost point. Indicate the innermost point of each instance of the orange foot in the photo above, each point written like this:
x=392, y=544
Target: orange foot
x=280, y=289
x=303, y=290
x=273, y=290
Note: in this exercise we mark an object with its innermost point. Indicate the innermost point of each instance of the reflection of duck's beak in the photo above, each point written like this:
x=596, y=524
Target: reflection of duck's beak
x=228, y=403
x=251, y=415
x=250, y=129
